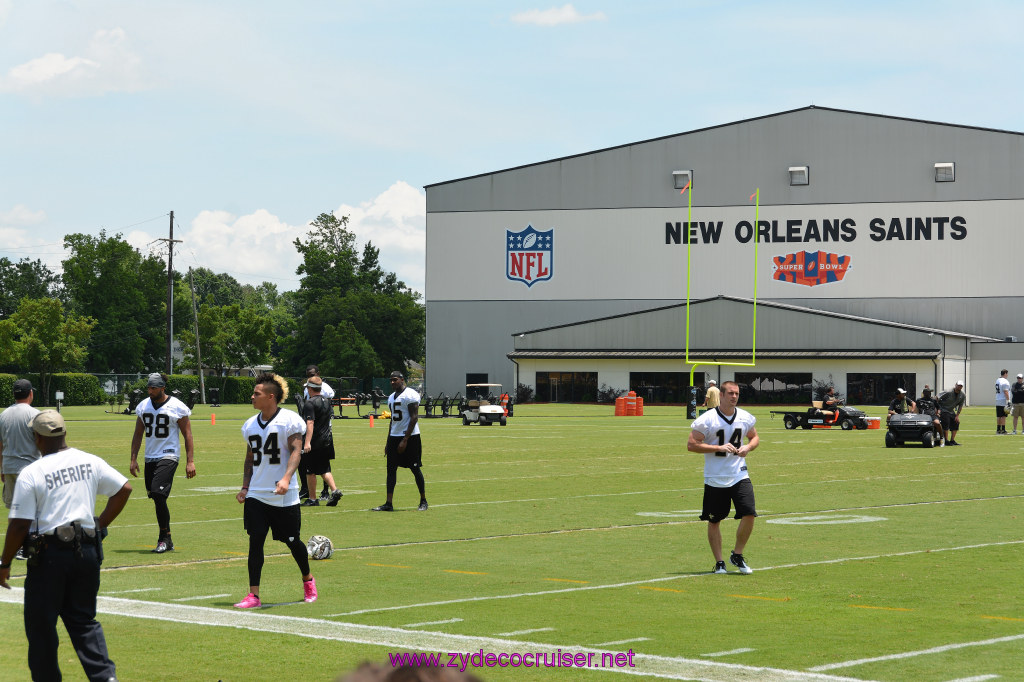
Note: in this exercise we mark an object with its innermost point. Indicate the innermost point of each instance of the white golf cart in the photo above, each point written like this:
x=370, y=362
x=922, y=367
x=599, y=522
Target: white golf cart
x=479, y=407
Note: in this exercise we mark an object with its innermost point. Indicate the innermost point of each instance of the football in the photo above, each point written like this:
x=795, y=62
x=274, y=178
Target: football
x=320, y=547
x=530, y=240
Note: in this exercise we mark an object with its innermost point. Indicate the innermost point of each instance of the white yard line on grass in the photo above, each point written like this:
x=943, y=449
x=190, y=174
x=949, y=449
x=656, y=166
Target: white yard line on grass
x=648, y=581
x=731, y=652
x=624, y=641
x=922, y=652
x=202, y=597
x=516, y=633
x=432, y=622
x=399, y=640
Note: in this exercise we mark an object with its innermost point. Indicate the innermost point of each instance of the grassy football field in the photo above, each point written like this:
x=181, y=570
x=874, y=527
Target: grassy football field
x=573, y=531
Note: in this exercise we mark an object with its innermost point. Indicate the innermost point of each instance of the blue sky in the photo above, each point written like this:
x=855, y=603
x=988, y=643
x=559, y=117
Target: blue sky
x=249, y=118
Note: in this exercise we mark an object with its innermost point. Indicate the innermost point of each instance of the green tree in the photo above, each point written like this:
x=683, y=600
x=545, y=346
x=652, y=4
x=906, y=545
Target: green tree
x=346, y=352
x=46, y=339
x=25, y=278
x=126, y=293
x=223, y=288
x=346, y=297
x=230, y=336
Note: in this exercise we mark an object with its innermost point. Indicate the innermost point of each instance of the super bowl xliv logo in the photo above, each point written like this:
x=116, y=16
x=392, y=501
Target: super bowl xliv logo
x=810, y=268
x=529, y=255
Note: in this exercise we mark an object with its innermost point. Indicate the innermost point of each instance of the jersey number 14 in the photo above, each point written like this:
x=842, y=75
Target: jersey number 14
x=736, y=440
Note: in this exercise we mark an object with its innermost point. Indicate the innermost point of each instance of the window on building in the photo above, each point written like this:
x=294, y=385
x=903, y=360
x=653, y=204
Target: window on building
x=878, y=389
x=666, y=387
x=782, y=388
x=566, y=387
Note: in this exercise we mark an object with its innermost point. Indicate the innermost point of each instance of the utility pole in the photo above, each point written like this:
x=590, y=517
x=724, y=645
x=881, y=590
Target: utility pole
x=171, y=241
x=195, y=320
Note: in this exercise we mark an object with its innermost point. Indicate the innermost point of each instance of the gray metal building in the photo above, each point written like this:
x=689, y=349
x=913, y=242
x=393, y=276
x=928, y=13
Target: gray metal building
x=874, y=217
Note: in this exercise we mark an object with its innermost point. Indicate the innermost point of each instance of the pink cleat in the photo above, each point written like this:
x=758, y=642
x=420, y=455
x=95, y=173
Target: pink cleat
x=250, y=602
x=309, y=587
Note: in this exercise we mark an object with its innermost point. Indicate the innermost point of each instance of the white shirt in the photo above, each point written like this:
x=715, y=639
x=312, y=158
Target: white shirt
x=325, y=390
x=270, y=453
x=162, y=427
x=723, y=470
x=398, y=406
x=16, y=437
x=61, y=488
x=1002, y=388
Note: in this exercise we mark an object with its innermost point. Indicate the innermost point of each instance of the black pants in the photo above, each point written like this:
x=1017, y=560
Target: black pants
x=64, y=584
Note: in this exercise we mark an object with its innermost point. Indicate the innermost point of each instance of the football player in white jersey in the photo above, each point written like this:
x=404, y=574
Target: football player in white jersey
x=270, y=488
x=719, y=434
x=403, y=448
x=162, y=417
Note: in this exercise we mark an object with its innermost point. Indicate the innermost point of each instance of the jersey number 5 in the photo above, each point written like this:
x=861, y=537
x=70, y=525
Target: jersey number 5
x=260, y=448
x=162, y=425
x=736, y=440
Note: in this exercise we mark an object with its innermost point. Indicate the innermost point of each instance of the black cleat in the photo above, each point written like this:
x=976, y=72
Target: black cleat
x=332, y=499
x=311, y=503
x=164, y=545
x=384, y=507
x=423, y=505
x=738, y=561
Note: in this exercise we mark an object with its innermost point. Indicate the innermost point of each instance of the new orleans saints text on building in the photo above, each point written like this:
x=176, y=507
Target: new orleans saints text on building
x=936, y=228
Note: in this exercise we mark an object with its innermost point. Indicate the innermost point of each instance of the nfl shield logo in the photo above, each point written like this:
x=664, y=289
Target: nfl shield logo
x=528, y=255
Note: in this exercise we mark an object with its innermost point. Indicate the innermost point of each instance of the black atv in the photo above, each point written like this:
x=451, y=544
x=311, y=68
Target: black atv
x=911, y=427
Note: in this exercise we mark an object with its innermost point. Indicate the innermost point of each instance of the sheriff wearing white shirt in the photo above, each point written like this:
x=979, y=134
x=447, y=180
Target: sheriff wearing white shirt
x=55, y=499
x=719, y=435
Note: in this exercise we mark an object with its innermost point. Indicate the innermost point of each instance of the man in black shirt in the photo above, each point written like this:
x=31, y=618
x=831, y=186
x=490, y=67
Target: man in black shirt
x=318, y=446
x=928, y=405
x=1017, y=395
x=901, y=404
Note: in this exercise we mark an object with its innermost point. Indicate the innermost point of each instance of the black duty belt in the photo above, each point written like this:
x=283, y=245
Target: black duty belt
x=71, y=532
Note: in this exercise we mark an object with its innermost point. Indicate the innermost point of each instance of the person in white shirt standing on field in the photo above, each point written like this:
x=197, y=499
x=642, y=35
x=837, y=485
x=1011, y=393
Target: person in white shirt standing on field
x=1002, y=402
x=17, y=444
x=719, y=434
x=270, y=488
x=53, y=516
x=161, y=418
x=403, y=448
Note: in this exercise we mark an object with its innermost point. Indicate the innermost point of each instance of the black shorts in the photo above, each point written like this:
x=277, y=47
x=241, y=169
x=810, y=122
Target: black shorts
x=318, y=460
x=1002, y=411
x=160, y=475
x=717, y=501
x=950, y=421
x=260, y=517
x=411, y=458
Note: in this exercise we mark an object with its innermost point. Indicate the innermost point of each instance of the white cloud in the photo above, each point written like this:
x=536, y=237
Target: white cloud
x=396, y=222
x=252, y=248
x=108, y=65
x=259, y=246
x=21, y=215
x=566, y=14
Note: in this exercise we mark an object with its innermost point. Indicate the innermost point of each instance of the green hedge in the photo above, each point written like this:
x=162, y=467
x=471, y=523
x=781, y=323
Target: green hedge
x=7, y=389
x=79, y=389
x=233, y=390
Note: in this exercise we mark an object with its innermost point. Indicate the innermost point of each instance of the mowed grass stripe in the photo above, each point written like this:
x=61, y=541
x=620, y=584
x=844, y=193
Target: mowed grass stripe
x=398, y=640
x=562, y=498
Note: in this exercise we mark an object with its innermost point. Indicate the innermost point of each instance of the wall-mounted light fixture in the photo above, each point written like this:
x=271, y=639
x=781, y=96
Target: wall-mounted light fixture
x=681, y=178
x=799, y=175
x=945, y=172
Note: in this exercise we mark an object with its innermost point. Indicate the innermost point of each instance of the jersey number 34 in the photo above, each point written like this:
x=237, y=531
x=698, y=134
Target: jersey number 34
x=269, y=448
